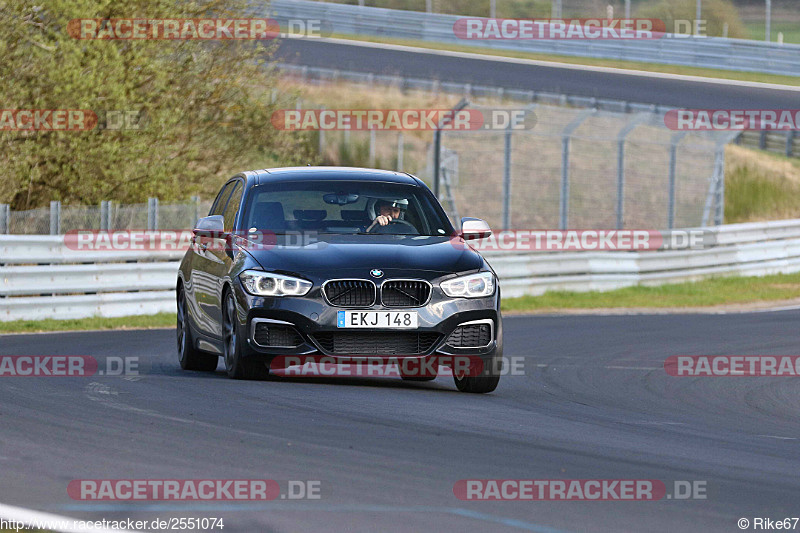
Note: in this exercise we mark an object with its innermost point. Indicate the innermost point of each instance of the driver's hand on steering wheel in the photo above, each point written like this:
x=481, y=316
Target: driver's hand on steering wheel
x=383, y=219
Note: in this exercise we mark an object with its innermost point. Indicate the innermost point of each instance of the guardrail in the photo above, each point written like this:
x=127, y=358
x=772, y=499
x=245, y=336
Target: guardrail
x=705, y=52
x=752, y=249
x=41, y=278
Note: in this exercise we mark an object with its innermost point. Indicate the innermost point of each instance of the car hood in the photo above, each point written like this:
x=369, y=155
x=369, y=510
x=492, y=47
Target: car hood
x=347, y=255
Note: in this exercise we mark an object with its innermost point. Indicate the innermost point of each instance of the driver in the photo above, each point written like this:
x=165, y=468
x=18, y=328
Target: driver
x=388, y=210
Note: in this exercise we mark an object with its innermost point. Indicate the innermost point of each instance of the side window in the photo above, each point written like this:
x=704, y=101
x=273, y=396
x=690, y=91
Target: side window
x=233, y=206
x=222, y=199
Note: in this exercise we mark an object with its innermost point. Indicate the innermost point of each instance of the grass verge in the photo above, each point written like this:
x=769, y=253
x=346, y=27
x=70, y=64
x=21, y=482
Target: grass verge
x=705, y=293
x=589, y=61
x=161, y=320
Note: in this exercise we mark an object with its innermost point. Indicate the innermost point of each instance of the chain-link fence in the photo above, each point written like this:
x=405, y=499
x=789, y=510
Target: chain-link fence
x=568, y=168
x=58, y=219
x=587, y=169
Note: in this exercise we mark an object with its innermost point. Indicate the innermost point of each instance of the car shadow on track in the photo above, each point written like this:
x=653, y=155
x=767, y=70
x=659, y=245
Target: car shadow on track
x=441, y=384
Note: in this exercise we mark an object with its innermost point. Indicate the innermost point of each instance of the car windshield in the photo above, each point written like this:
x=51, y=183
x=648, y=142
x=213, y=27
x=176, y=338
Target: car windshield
x=344, y=207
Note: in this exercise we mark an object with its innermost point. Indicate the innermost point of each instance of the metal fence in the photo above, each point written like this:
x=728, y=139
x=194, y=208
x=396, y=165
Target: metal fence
x=574, y=168
x=58, y=219
x=782, y=142
x=704, y=52
x=588, y=169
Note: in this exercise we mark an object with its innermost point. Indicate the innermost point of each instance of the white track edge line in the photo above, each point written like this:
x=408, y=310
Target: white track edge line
x=39, y=518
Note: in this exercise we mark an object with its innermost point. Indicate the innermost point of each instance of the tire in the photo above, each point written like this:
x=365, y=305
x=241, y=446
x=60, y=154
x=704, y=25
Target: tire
x=236, y=365
x=189, y=357
x=487, y=381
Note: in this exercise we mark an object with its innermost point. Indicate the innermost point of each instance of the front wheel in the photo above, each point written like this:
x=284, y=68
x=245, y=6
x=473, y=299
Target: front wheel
x=237, y=366
x=484, y=382
x=189, y=357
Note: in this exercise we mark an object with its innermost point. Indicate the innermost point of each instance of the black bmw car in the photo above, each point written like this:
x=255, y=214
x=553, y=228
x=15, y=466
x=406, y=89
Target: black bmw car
x=340, y=263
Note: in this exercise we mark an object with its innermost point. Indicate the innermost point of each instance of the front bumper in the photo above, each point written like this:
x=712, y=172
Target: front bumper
x=312, y=316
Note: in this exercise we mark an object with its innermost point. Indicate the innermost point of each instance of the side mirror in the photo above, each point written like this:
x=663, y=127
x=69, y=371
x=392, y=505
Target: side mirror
x=213, y=226
x=474, y=228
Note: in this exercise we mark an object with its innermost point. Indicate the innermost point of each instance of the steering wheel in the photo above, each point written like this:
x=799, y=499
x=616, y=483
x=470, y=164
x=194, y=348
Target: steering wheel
x=376, y=227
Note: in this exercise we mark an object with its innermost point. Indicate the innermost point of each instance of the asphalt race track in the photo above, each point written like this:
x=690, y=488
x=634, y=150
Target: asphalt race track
x=510, y=75
x=594, y=403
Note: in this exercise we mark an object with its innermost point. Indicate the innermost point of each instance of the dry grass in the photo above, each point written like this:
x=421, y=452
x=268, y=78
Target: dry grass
x=760, y=186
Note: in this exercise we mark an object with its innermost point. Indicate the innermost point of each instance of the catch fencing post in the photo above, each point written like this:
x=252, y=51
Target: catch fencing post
x=507, y=180
x=55, y=217
x=673, y=164
x=437, y=157
x=789, y=143
x=768, y=22
x=5, y=219
x=321, y=137
x=719, y=201
x=563, y=211
x=196, y=214
x=400, y=147
x=555, y=11
x=105, y=215
x=372, y=140
x=716, y=187
x=152, y=213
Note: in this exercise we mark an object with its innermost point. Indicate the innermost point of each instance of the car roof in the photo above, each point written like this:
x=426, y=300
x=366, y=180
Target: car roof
x=331, y=173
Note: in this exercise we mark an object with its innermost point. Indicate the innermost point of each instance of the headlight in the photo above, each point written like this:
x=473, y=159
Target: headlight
x=260, y=283
x=470, y=286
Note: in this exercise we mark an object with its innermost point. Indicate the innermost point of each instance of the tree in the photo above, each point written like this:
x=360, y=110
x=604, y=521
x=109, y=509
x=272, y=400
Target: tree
x=204, y=106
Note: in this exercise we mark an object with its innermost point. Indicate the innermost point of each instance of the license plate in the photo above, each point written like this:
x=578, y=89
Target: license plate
x=377, y=319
